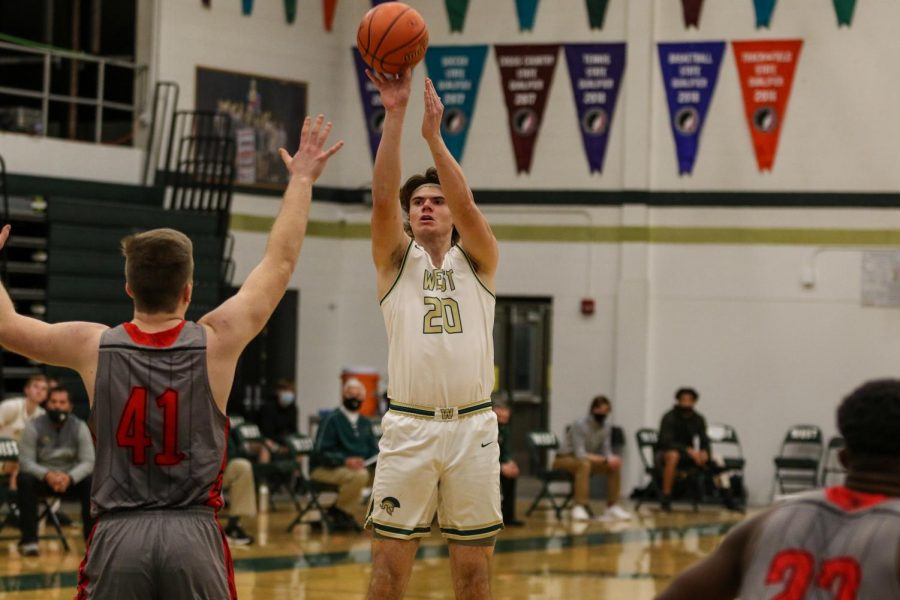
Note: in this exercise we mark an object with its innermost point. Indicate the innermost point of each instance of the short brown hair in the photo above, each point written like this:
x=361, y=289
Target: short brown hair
x=412, y=184
x=158, y=264
x=599, y=401
x=36, y=377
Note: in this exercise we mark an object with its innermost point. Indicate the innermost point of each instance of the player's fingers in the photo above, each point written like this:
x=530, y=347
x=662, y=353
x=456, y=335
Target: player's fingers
x=326, y=131
x=373, y=77
x=304, y=129
x=285, y=156
x=4, y=234
x=334, y=149
x=317, y=126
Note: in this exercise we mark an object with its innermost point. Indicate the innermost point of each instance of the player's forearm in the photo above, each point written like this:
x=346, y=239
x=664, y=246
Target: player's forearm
x=387, y=170
x=453, y=181
x=7, y=313
x=289, y=229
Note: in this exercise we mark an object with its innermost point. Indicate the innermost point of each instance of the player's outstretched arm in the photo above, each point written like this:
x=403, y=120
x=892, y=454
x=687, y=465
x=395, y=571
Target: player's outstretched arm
x=73, y=344
x=388, y=238
x=474, y=231
x=232, y=325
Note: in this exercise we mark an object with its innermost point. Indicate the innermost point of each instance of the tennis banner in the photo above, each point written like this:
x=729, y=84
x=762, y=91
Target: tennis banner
x=766, y=70
x=690, y=71
x=596, y=73
x=456, y=73
x=764, y=9
x=526, y=73
x=597, y=13
x=373, y=111
x=691, y=10
x=526, y=10
x=456, y=13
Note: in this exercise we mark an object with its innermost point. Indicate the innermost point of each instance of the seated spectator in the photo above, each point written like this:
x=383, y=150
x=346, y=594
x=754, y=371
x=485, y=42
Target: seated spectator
x=278, y=416
x=683, y=443
x=16, y=412
x=509, y=470
x=344, y=442
x=238, y=480
x=586, y=449
x=56, y=457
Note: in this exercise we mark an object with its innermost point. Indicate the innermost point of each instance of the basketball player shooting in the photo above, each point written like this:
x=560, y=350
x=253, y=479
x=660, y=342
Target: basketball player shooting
x=158, y=388
x=840, y=543
x=435, y=276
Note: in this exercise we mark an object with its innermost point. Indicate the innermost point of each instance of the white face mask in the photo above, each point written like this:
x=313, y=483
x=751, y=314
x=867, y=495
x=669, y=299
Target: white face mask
x=285, y=399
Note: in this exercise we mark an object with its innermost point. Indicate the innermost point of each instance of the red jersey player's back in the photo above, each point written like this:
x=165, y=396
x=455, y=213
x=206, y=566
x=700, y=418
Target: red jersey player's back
x=161, y=439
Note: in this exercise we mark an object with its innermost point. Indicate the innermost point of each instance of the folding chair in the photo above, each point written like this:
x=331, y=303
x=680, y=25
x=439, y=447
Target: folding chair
x=276, y=473
x=797, y=463
x=831, y=465
x=724, y=443
x=301, y=447
x=541, y=444
x=647, y=439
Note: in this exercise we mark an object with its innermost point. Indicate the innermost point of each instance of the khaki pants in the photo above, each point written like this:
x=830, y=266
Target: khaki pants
x=350, y=484
x=238, y=480
x=581, y=470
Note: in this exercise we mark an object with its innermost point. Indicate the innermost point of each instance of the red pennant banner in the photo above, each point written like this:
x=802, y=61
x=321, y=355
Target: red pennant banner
x=527, y=72
x=766, y=70
x=328, y=7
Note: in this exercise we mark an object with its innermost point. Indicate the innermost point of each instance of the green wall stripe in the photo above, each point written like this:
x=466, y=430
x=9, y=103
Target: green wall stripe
x=615, y=234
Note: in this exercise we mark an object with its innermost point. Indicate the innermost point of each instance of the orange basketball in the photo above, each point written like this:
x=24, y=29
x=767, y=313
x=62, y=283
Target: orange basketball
x=392, y=37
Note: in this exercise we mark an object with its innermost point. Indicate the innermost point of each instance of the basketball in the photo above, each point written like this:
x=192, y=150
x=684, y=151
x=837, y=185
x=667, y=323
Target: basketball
x=392, y=37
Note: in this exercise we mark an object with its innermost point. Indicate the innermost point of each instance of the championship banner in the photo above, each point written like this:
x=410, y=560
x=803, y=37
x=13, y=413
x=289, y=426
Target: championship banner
x=596, y=73
x=328, y=7
x=597, y=13
x=290, y=10
x=526, y=10
x=691, y=10
x=766, y=70
x=456, y=13
x=526, y=72
x=373, y=111
x=690, y=71
x=844, y=10
x=246, y=7
x=764, y=9
x=456, y=73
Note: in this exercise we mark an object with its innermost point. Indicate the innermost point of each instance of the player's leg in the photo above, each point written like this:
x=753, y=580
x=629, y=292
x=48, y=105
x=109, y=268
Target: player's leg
x=470, y=568
x=194, y=558
x=392, y=562
x=119, y=560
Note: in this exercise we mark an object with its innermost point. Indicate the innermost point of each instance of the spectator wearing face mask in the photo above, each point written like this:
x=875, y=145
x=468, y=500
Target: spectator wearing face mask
x=586, y=449
x=344, y=444
x=683, y=442
x=278, y=416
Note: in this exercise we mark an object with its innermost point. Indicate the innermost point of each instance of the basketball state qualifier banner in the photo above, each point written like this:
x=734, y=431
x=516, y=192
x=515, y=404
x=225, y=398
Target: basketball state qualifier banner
x=690, y=71
x=764, y=9
x=766, y=70
x=526, y=10
x=596, y=73
x=691, y=9
x=526, y=72
x=456, y=73
x=373, y=111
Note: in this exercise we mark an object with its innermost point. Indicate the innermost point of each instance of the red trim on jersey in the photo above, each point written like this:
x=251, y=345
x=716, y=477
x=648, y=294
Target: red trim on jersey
x=81, y=593
x=159, y=339
x=229, y=563
x=215, y=492
x=851, y=500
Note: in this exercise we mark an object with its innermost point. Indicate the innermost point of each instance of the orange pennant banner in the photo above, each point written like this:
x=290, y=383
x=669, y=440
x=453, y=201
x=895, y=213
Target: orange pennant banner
x=328, y=7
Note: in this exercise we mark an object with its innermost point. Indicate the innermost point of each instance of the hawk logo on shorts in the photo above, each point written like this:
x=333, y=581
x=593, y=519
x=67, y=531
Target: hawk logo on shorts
x=389, y=504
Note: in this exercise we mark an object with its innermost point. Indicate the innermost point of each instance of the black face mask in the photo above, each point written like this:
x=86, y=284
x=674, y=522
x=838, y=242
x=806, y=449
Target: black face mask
x=57, y=416
x=685, y=411
x=352, y=404
x=599, y=418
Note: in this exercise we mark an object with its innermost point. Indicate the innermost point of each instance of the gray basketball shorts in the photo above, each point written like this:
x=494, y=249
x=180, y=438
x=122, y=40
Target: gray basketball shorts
x=176, y=554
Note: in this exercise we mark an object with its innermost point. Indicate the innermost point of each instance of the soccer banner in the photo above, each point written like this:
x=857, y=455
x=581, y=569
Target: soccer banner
x=844, y=10
x=328, y=7
x=526, y=72
x=246, y=6
x=596, y=73
x=691, y=10
x=597, y=13
x=290, y=10
x=766, y=70
x=690, y=71
x=456, y=13
x=526, y=10
x=456, y=73
x=373, y=111
x=764, y=9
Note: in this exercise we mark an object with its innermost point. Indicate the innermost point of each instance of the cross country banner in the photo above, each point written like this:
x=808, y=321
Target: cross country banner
x=766, y=70
x=764, y=9
x=456, y=74
x=328, y=8
x=526, y=10
x=246, y=7
x=691, y=10
x=456, y=14
x=596, y=74
x=290, y=10
x=373, y=111
x=526, y=73
x=844, y=10
x=597, y=13
x=690, y=71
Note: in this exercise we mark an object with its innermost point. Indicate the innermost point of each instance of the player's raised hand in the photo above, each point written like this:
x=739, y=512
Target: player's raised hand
x=434, y=113
x=311, y=157
x=394, y=90
x=4, y=235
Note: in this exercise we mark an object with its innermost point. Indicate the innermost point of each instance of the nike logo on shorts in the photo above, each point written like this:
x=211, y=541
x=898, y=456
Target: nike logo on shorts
x=486, y=445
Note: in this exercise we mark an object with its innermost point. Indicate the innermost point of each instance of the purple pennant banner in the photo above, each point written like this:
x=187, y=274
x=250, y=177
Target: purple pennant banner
x=690, y=71
x=373, y=111
x=596, y=73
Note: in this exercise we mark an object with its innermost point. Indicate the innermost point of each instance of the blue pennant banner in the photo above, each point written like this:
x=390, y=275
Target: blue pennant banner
x=373, y=111
x=456, y=72
x=764, y=9
x=690, y=71
x=596, y=72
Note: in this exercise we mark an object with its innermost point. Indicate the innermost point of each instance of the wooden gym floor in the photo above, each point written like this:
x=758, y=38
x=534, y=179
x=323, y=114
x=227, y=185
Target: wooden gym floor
x=544, y=559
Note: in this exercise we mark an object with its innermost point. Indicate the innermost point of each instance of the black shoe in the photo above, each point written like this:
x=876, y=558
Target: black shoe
x=237, y=536
x=513, y=523
x=666, y=504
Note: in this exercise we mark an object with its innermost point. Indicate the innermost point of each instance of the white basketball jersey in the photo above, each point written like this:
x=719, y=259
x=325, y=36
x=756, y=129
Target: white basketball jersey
x=440, y=323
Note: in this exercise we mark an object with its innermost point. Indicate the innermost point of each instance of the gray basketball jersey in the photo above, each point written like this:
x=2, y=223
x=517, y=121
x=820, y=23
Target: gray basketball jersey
x=834, y=544
x=160, y=438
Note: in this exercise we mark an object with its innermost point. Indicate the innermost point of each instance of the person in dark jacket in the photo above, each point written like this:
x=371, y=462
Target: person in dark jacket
x=345, y=446
x=509, y=470
x=683, y=443
x=278, y=416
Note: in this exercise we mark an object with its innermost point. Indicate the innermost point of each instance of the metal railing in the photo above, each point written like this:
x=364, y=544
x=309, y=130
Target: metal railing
x=48, y=56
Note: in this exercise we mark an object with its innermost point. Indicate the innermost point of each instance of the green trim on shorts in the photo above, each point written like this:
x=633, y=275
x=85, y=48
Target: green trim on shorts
x=392, y=531
x=427, y=412
x=486, y=405
x=470, y=534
